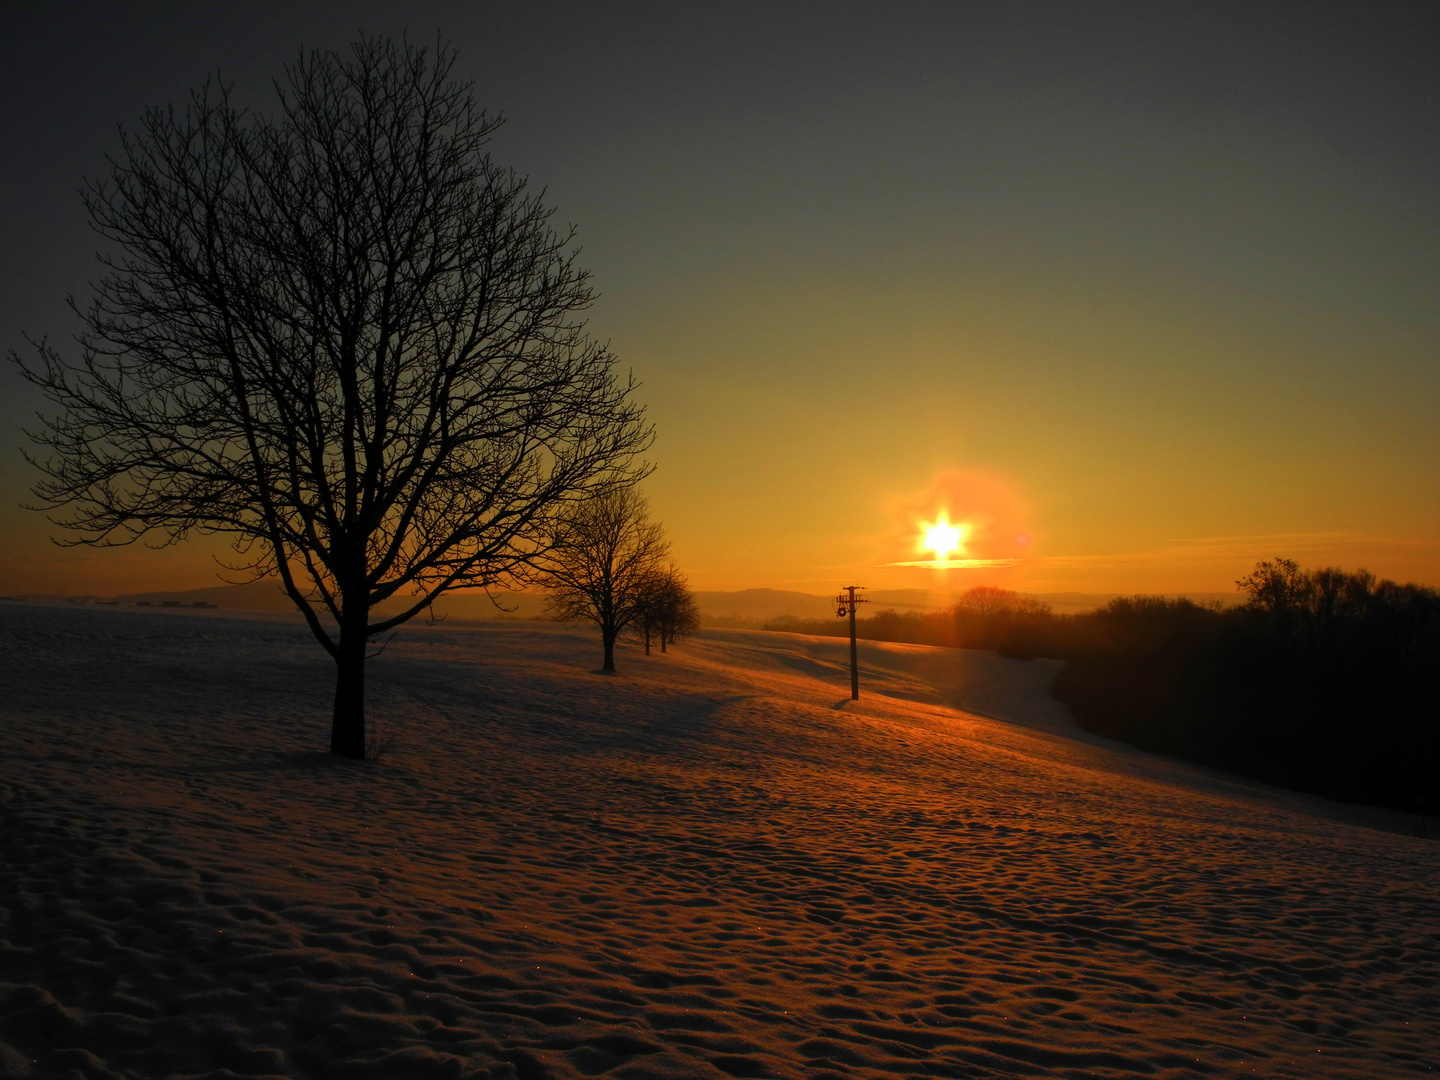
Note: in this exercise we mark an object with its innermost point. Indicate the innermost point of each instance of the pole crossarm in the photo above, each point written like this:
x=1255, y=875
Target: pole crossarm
x=847, y=599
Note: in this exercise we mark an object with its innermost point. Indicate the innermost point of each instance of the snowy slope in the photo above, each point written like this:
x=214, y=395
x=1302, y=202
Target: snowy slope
x=709, y=865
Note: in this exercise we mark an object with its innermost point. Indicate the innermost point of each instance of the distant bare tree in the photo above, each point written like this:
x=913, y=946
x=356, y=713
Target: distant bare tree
x=666, y=610
x=342, y=335
x=647, y=612
x=676, y=613
x=987, y=601
x=603, y=564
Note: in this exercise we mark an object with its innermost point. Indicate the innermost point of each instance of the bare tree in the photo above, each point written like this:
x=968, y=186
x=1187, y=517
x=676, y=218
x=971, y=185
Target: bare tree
x=675, y=612
x=666, y=609
x=647, y=610
x=603, y=564
x=342, y=335
x=989, y=602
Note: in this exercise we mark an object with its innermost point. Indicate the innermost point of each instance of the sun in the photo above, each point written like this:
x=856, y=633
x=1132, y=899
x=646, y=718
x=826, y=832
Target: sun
x=941, y=537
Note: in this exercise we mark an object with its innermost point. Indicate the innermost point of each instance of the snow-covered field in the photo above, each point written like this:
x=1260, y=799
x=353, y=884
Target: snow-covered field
x=710, y=865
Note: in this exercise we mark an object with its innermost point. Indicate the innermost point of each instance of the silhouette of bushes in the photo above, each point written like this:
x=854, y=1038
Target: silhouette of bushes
x=1324, y=680
x=985, y=618
x=1132, y=672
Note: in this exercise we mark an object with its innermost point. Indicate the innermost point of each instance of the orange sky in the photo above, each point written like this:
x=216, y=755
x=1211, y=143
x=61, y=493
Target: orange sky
x=1160, y=286
x=1151, y=446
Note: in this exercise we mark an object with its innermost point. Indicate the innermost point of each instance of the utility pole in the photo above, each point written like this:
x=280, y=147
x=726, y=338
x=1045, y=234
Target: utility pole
x=846, y=603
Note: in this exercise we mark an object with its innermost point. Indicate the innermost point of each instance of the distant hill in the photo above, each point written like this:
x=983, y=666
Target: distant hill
x=267, y=595
x=50, y=598
x=752, y=607
x=743, y=608
x=251, y=596
x=473, y=604
x=749, y=608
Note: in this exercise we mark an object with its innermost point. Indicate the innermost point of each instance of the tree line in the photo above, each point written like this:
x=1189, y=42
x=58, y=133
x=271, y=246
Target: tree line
x=983, y=618
x=609, y=565
x=1321, y=680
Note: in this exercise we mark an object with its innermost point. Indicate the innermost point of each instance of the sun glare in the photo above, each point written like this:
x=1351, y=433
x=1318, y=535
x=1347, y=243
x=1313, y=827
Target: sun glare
x=942, y=538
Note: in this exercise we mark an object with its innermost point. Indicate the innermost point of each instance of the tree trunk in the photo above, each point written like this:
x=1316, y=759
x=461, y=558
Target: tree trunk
x=663, y=637
x=347, y=726
x=608, y=633
x=647, y=639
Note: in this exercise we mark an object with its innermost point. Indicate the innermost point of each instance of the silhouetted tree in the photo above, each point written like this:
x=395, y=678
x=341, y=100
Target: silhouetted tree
x=1277, y=586
x=603, y=563
x=658, y=595
x=676, y=613
x=342, y=335
x=987, y=617
x=647, y=612
x=990, y=602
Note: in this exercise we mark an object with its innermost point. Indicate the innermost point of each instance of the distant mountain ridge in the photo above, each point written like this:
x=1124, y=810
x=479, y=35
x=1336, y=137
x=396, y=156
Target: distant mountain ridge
x=248, y=596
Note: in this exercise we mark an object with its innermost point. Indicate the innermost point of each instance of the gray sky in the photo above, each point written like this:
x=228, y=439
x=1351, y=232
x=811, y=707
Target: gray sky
x=1165, y=272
